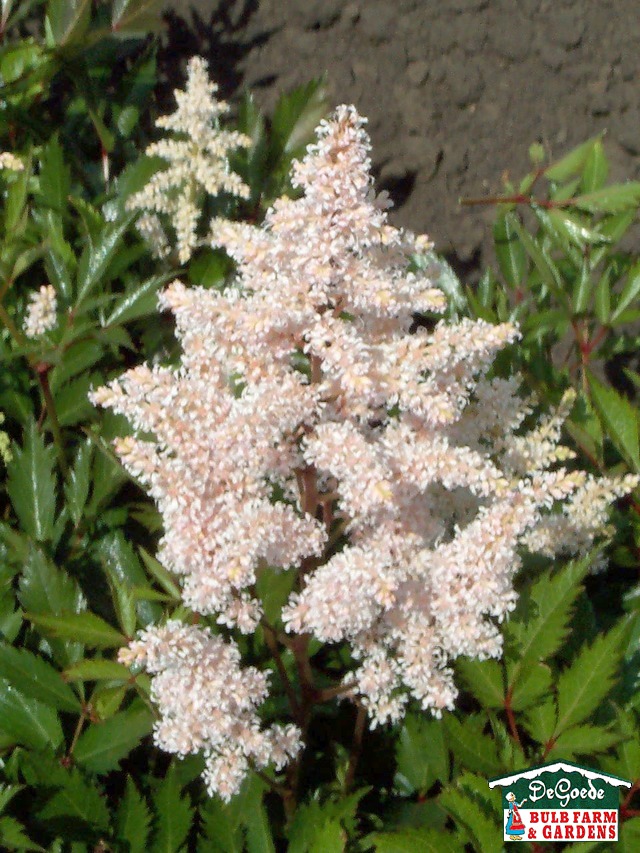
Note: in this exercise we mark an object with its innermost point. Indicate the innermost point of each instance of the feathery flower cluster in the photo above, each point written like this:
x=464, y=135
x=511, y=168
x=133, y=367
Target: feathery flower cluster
x=307, y=428
x=10, y=162
x=197, y=164
x=41, y=313
x=209, y=703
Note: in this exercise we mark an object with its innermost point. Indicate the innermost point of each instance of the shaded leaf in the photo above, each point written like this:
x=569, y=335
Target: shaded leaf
x=76, y=800
x=540, y=623
x=37, y=679
x=32, y=485
x=611, y=199
x=620, y=418
x=67, y=20
x=95, y=669
x=102, y=746
x=483, y=830
x=511, y=255
x=175, y=813
x=133, y=819
x=421, y=754
x=470, y=746
x=85, y=628
x=97, y=257
x=572, y=163
x=27, y=721
x=413, y=841
x=136, y=17
x=583, y=740
x=137, y=302
x=76, y=487
x=586, y=683
x=485, y=679
x=55, y=176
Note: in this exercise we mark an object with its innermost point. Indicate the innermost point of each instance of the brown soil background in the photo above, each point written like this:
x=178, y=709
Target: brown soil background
x=455, y=91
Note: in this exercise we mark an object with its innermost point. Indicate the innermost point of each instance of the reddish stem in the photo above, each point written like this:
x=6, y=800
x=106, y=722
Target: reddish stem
x=511, y=720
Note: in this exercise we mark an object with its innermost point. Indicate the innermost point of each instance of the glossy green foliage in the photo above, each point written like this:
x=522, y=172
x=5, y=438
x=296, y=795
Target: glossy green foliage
x=78, y=575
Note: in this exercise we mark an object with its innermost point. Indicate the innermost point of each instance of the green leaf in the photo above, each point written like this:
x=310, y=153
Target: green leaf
x=121, y=564
x=485, y=832
x=596, y=168
x=96, y=669
x=545, y=266
x=611, y=199
x=512, y=258
x=133, y=819
x=619, y=417
x=582, y=289
x=421, y=754
x=108, y=700
x=27, y=721
x=161, y=575
x=96, y=258
x=72, y=403
x=413, y=841
x=316, y=829
x=220, y=831
x=603, y=297
x=135, y=18
x=297, y=114
x=32, y=485
x=67, y=21
x=534, y=682
x=76, y=488
x=627, y=759
x=45, y=589
x=79, y=357
x=12, y=836
x=75, y=801
x=583, y=740
x=540, y=721
x=14, y=212
x=259, y=838
x=175, y=813
x=37, y=679
x=572, y=163
x=566, y=229
x=55, y=176
x=485, y=679
x=629, y=292
x=102, y=746
x=629, y=836
x=209, y=268
x=85, y=628
x=471, y=748
x=539, y=625
x=134, y=177
x=138, y=301
x=445, y=279
x=584, y=685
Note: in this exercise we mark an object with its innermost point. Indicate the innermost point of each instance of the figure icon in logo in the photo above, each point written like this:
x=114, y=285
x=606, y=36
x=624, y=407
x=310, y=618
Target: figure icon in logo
x=515, y=826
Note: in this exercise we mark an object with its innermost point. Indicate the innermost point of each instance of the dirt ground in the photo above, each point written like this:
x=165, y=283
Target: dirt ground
x=455, y=90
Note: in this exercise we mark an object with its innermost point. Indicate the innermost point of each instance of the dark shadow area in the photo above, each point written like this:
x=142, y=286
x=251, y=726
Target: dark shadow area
x=220, y=37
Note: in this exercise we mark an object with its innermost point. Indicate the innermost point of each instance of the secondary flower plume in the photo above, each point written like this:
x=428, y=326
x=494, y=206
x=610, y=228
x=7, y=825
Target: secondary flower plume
x=197, y=164
x=311, y=427
x=41, y=313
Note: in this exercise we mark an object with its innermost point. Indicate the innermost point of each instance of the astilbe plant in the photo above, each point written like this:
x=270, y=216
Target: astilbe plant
x=312, y=427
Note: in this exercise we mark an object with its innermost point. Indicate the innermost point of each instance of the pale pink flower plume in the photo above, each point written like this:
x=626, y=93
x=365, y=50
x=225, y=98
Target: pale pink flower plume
x=308, y=427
